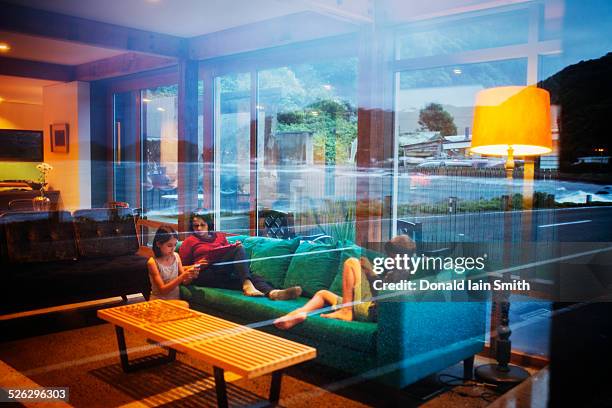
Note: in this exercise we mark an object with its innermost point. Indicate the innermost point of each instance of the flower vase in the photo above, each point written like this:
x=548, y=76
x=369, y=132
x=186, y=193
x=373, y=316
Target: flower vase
x=41, y=202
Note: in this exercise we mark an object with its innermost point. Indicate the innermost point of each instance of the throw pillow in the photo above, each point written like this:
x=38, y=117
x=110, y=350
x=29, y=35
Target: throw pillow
x=271, y=257
x=313, y=267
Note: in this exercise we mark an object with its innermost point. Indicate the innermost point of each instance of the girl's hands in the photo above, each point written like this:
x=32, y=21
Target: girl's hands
x=189, y=276
x=196, y=268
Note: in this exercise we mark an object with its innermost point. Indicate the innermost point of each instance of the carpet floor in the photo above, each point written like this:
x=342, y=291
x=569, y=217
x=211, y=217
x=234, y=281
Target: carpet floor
x=85, y=359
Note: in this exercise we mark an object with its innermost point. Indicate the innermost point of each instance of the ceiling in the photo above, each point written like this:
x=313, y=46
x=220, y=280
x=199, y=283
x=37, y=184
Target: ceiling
x=183, y=18
x=53, y=51
x=22, y=90
x=191, y=18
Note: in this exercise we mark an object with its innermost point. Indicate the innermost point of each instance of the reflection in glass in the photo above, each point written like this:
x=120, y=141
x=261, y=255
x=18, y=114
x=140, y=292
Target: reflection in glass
x=160, y=153
x=126, y=145
x=307, y=140
x=486, y=31
x=233, y=151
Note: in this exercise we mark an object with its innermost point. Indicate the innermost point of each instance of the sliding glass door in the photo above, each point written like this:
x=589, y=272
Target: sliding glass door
x=232, y=152
x=145, y=151
x=159, y=153
x=307, y=142
x=126, y=149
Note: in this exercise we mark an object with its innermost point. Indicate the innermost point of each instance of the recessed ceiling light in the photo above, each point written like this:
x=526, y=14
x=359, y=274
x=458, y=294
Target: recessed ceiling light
x=146, y=100
x=327, y=86
x=4, y=47
x=457, y=71
x=161, y=109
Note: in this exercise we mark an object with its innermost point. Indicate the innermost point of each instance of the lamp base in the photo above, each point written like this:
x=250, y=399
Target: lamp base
x=489, y=373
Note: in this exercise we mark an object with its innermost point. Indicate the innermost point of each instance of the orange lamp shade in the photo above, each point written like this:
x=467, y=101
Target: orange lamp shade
x=516, y=117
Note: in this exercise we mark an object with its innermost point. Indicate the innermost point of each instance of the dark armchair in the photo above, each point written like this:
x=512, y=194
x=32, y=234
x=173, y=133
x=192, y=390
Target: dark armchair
x=276, y=224
x=280, y=225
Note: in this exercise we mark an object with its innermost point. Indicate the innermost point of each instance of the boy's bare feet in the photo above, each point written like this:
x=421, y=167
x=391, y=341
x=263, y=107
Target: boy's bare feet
x=290, y=319
x=346, y=313
x=285, y=294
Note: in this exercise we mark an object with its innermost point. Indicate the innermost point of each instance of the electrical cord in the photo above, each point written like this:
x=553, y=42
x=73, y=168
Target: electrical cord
x=455, y=381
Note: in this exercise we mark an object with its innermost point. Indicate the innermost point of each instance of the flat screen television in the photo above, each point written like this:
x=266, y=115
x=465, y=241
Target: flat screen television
x=21, y=145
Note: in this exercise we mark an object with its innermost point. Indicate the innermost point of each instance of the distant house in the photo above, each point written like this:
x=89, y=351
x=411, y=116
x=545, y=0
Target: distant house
x=432, y=145
x=423, y=144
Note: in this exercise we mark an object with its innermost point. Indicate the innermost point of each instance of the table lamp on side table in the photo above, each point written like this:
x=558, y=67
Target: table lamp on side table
x=509, y=121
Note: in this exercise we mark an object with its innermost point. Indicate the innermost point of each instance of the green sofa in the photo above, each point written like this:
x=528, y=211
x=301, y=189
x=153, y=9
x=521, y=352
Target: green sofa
x=410, y=340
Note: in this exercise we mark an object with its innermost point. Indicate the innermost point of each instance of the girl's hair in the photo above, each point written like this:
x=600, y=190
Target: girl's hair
x=205, y=216
x=163, y=234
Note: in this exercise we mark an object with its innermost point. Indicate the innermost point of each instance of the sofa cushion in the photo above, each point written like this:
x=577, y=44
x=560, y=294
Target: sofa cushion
x=105, y=232
x=270, y=259
x=313, y=267
x=359, y=336
x=38, y=236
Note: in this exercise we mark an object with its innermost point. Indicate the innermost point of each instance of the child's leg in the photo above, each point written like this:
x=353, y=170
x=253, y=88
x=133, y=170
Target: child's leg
x=318, y=301
x=351, y=278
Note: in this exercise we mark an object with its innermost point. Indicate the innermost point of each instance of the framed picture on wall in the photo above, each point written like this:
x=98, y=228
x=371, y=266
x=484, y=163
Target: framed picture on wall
x=59, y=138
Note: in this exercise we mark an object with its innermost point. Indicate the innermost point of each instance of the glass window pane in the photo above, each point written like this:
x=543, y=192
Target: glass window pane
x=233, y=150
x=126, y=168
x=160, y=153
x=487, y=31
x=455, y=88
x=307, y=141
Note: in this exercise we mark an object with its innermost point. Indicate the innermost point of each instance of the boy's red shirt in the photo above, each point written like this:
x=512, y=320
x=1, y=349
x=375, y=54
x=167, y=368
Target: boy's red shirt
x=194, y=249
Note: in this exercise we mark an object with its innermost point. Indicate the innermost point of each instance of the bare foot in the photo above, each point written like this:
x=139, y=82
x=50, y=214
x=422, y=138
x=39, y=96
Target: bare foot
x=346, y=313
x=289, y=320
x=285, y=294
x=249, y=290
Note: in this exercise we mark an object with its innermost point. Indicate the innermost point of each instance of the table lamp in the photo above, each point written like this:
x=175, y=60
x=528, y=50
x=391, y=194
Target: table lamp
x=509, y=121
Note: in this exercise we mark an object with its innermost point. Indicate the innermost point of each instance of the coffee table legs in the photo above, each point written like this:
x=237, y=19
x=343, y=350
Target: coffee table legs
x=130, y=367
x=221, y=387
x=275, y=386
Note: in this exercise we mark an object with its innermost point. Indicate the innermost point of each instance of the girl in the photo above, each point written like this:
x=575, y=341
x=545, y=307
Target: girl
x=165, y=269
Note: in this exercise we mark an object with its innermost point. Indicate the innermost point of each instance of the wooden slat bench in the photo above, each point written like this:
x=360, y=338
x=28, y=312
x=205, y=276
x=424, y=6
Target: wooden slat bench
x=223, y=344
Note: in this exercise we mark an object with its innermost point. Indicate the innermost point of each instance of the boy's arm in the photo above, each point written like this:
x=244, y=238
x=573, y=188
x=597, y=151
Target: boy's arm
x=367, y=268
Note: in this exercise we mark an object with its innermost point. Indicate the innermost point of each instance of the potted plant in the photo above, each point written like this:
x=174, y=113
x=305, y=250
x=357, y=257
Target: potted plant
x=41, y=202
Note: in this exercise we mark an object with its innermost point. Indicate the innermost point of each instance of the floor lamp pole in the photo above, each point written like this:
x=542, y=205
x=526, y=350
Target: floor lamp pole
x=503, y=373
